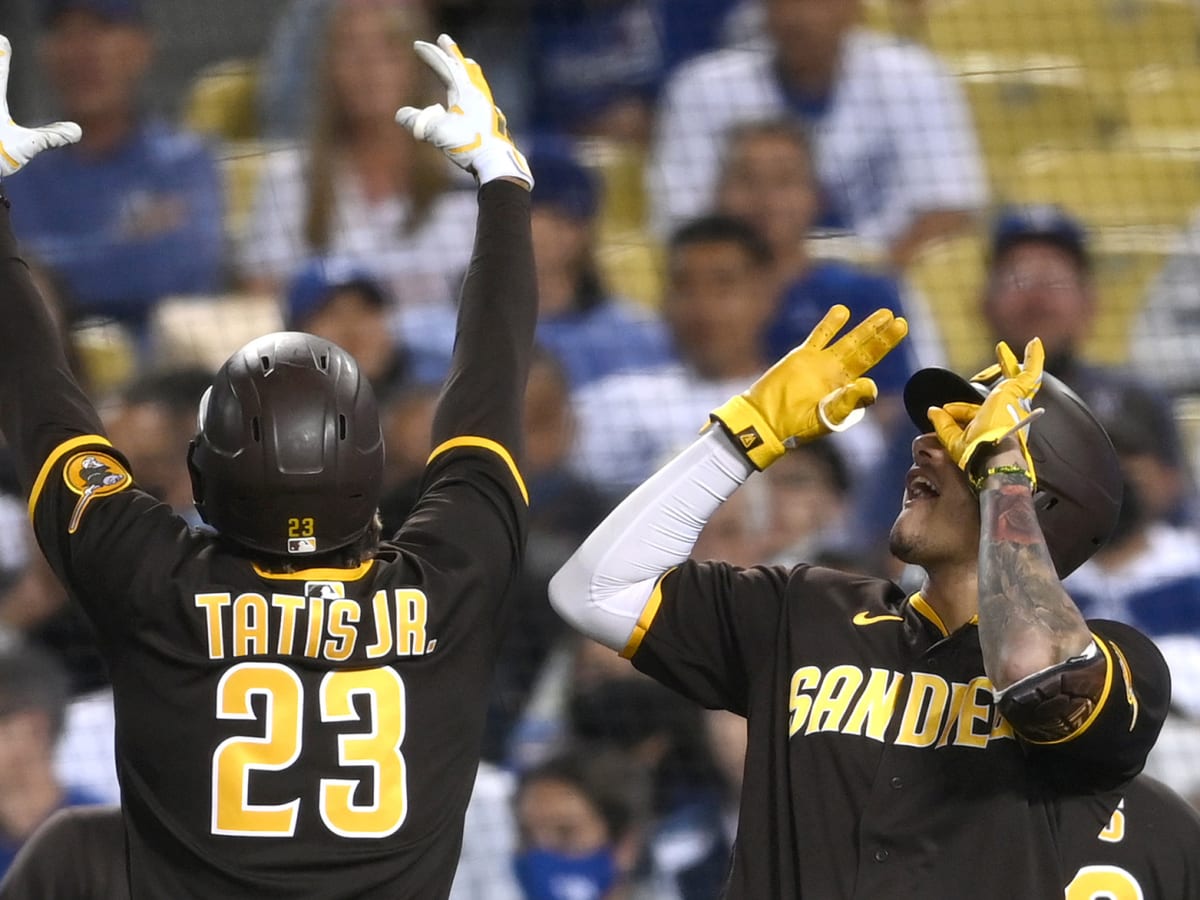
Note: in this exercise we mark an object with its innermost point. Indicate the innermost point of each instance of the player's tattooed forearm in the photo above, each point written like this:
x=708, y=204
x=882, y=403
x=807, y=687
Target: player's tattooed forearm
x=1023, y=609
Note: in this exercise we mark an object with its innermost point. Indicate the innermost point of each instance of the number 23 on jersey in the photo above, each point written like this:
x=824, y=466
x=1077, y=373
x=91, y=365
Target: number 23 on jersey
x=281, y=743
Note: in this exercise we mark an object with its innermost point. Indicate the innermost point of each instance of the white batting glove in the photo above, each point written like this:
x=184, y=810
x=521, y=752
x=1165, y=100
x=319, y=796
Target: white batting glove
x=472, y=132
x=19, y=145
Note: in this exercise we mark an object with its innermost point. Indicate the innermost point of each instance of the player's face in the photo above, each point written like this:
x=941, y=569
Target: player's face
x=939, y=518
x=557, y=816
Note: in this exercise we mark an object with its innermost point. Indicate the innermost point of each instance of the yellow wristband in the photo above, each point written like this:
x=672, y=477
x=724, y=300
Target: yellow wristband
x=977, y=482
x=750, y=431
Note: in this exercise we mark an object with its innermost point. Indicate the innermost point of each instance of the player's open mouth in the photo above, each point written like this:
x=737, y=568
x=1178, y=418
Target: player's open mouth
x=918, y=487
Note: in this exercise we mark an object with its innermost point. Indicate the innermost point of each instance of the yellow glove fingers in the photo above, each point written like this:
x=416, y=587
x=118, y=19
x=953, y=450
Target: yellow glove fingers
x=837, y=407
x=962, y=412
x=1035, y=361
x=1009, y=367
x=829, y=326
x=870, y=341
x=948, y=431
x=991, y=373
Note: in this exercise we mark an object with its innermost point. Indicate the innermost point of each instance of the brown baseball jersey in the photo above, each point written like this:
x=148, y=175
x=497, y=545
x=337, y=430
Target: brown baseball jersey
x=312, y=734
x=877, y=765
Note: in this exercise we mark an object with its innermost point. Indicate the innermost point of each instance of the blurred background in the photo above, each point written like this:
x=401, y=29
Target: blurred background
x=711, y=176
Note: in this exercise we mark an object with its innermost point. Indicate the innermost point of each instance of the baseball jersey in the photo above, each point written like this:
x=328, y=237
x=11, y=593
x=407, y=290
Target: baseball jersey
x=1140, y=841
x=877, y=764
x=315, y=733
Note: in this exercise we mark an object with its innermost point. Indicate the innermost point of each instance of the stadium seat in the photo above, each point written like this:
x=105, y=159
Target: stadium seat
x=632, y=266
x=620, y=166
x=241, y=162
x=203, y=331
x=1162, y=109
x=1113, y=36
x=1117, y=188
x=222, y=101
x=948, y=276
x=1122, y=276
x=1014, y=112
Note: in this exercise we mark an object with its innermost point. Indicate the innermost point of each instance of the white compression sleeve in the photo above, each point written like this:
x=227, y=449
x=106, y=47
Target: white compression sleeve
x=602, y=589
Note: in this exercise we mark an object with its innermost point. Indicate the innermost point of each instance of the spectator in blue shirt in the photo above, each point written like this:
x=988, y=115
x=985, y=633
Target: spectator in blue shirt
x=133, y=212
x=592, y=333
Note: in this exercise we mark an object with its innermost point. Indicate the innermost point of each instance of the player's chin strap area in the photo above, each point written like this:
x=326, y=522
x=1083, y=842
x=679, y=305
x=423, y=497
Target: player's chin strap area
x=1053, y=704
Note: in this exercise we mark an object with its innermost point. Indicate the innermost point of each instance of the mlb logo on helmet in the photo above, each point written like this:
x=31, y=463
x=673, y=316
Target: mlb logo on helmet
x=302, y=545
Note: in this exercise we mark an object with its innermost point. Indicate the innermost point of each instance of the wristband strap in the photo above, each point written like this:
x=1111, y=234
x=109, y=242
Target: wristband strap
x=977, y=481
x=750, y=431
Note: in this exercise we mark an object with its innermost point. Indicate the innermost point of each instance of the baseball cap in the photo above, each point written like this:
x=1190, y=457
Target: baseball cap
x=563, y=182
x=319, y=279
x=108, y=10
x=1042, y=223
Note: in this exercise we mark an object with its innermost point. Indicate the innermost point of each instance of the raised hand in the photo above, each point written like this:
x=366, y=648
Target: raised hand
x=19, y=145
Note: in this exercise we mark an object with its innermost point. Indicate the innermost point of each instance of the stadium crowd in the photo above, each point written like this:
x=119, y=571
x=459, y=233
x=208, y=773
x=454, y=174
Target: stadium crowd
x=711, y=176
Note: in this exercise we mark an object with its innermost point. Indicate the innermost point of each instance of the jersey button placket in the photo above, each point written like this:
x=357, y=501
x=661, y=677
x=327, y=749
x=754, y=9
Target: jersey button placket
x=897, y=782
x=881, y=855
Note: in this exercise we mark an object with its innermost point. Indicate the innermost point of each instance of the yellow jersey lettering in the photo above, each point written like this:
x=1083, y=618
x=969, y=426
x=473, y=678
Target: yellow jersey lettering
x=1000, y=728
x=973, y=711
x=957, y=693
x=288, y=605
x=316, y=618
x=383, y=627
x=212, y=604
x=1114, y=831
x=838, y=688
x=410, y=622
x=876, y=705
x=342, y=634
x=250, y=625
x=799, y=704
x=923, y=711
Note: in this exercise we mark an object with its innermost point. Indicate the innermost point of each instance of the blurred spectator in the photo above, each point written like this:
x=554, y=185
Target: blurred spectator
x=1165, y=346
x=33, y=696
x=581, y=819
x=342, y=301
x=592, y=333
x=1148, y=574
x=893, y=145
x=1040, y=284
x=485, y=869
x=133, y=212
x=810, y=492
x=691, y=849
x=767, y=178
x=361, y=188
x=718, y=303
x=153, y=422
x=563, y=510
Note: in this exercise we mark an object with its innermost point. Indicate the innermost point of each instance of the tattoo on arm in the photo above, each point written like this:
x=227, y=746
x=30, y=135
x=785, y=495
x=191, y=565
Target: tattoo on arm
x=1027, y=621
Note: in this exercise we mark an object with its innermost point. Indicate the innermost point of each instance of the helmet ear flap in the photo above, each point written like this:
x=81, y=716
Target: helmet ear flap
x=197, y=478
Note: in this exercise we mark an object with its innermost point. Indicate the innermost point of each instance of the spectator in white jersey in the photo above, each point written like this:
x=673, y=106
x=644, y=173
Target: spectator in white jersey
x=893, y=144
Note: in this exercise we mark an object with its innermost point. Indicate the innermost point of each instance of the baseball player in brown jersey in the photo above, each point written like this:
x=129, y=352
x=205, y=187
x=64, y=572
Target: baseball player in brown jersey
x=299, y=703
x=898, y=746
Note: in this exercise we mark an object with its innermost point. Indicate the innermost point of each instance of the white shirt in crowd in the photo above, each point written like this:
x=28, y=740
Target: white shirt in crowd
x=896, y=141
x=421, y=268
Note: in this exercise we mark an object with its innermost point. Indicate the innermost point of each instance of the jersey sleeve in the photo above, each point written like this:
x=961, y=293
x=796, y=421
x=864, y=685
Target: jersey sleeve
x=102, y=536
x=705, y=629
x=471, y=515
x=1111, y=745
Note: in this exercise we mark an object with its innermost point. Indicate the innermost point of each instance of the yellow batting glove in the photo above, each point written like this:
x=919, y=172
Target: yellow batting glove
x=19, y=145
x=472, y=131
x=816, y=389
x=965, y=428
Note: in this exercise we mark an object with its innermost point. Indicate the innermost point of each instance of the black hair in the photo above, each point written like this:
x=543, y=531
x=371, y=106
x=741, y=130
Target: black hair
x=610, y=780
x=178, y=390
x=30, y=678
x=722, y=229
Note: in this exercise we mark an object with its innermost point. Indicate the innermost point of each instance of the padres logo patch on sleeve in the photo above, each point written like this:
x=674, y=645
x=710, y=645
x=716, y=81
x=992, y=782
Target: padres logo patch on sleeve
x=93, y=474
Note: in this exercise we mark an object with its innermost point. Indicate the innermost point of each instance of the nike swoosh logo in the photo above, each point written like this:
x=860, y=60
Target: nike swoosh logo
x=865, y=618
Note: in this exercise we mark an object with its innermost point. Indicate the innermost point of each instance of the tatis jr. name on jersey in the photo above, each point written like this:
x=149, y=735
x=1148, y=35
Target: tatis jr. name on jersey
x=321, y=623
x=936, y=712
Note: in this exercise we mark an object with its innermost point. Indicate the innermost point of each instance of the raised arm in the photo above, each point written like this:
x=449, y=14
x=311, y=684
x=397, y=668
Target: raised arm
x=603, y=589
x=484, y=391
x=41, y=405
